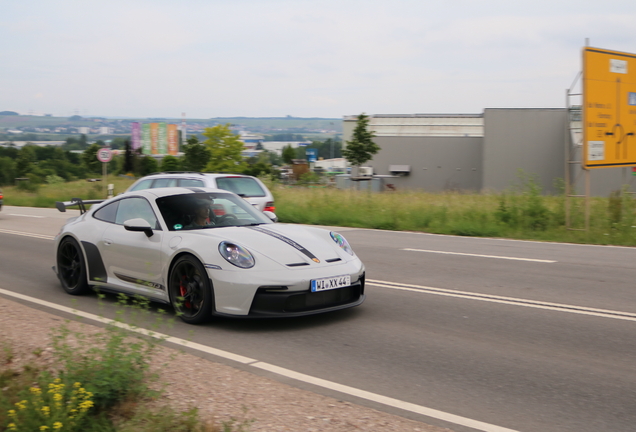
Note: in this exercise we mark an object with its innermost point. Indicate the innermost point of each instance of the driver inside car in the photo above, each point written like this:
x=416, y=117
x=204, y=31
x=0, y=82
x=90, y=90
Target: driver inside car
x=201, y=215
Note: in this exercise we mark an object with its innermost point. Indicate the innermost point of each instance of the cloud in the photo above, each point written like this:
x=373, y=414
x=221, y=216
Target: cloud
x=299, y=57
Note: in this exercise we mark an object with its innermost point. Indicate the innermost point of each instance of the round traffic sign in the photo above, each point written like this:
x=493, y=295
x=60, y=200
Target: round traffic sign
x=104, y=154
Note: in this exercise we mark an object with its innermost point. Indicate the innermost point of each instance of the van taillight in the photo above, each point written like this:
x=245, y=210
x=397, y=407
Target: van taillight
x=270, y=207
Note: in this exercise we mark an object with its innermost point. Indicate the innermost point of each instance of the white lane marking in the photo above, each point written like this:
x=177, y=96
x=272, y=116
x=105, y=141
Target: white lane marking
x=478, y=255
x=182, y=342
x=605, y=313
x=330, y=385
x=23, y=215
x=26, y=234
x=494, y=238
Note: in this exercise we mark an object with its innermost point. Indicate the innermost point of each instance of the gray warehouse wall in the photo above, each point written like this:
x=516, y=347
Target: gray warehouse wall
x=602, y=180
x=437, y=163
x=528, y=139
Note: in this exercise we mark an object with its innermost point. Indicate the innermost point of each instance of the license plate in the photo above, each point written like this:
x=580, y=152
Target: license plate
x=324, y=284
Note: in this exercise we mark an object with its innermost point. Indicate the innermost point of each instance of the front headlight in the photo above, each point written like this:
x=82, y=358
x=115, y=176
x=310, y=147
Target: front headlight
x=236, y=255
x=342, y=242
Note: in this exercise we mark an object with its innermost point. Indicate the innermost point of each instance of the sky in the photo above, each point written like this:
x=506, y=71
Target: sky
x=302, y=58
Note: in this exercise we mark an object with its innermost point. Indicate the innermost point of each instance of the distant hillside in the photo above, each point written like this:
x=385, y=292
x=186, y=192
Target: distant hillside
x=274, y=124
x=265, y=125
x=44, y=128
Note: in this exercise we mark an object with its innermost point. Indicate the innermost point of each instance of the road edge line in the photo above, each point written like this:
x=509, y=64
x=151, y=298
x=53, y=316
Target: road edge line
x=287, y=373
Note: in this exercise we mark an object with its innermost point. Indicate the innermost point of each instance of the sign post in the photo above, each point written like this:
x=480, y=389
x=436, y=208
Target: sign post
x=104, y=155
x=608, y=122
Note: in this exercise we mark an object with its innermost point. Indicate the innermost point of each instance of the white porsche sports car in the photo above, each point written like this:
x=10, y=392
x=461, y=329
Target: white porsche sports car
x=207, y=252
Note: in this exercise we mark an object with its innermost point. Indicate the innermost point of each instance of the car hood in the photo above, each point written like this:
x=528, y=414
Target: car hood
x=285, y=244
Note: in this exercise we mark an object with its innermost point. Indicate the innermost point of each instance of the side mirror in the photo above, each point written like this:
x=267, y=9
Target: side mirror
x=139, y=225
x=271, y=215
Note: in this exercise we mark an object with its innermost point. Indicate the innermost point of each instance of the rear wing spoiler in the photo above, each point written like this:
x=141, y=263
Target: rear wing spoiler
x=62, y=205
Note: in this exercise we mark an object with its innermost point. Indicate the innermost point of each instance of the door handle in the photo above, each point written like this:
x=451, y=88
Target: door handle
x=108, y=242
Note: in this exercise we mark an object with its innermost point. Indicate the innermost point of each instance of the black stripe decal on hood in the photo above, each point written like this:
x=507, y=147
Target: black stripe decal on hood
x=286, y=240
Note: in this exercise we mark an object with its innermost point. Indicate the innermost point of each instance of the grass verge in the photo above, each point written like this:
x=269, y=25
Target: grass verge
x=100, y=382
x=518, y=213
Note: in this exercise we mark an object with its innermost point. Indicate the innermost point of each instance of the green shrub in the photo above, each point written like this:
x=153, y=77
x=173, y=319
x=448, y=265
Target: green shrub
x=28, y=186
x=113, y=364
x=100, y=383
x=54, y=179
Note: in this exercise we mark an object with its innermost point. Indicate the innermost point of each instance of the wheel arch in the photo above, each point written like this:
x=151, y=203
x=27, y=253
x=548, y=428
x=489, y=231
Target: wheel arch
x=171, y=268
x=77, y=241
x=82, y=251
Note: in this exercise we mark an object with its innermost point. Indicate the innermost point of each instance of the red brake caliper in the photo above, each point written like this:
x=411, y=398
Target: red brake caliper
x=183, y=291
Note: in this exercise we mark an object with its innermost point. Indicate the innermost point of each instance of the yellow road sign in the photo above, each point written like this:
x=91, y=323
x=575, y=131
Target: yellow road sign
x=609, y=108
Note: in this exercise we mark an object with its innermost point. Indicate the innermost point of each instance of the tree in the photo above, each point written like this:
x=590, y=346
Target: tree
x=7, y=170
x=273, y=157
x=196, y=155
x=129, y=156
x=10, y=152
x=258, y=165
x=361, y=148
x=90, y=161
x=330, y=149
x=225, y=149
x=169, y=163
x=26, y=160
x=288, y=154
x=149, y=165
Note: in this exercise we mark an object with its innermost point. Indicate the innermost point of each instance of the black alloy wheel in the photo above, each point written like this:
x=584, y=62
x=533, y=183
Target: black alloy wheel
x=189, y=289
x=71, y=269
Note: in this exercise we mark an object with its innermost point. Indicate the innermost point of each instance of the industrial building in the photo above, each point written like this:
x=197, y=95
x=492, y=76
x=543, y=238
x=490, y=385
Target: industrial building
x=482, y=152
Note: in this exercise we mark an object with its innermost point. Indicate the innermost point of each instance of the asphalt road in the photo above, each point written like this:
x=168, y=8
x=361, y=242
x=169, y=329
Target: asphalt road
x=522, y=335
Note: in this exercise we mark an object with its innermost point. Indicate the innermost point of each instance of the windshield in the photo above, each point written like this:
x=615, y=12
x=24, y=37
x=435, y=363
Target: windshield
x=208, y=210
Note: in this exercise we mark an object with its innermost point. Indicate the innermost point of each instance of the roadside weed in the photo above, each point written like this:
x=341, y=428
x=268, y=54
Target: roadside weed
x=101, y=382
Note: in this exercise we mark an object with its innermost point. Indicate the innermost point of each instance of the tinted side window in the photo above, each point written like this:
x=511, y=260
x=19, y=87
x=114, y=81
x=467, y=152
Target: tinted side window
x=107, y=213
x=164, y=182
x=191, y=183
x=144, y=184
x=132, y=208
x=244, y=186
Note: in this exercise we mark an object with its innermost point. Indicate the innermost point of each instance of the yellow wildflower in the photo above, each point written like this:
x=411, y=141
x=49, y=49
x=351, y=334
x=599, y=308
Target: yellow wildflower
x=43, y=428
x=12, y=426
x=57, y=425
x=36, y=390
x=85, y=406
x=45, y=410
x=11, y=413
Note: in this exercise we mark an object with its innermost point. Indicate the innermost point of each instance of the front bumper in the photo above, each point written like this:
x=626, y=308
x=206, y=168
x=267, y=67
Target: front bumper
x=274, y=304
x=284, y=293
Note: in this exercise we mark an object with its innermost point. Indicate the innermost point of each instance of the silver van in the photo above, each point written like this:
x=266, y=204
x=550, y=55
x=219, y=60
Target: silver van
x=250, y=188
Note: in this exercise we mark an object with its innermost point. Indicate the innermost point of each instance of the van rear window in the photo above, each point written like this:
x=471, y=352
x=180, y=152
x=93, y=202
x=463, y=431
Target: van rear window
x=245, y=186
